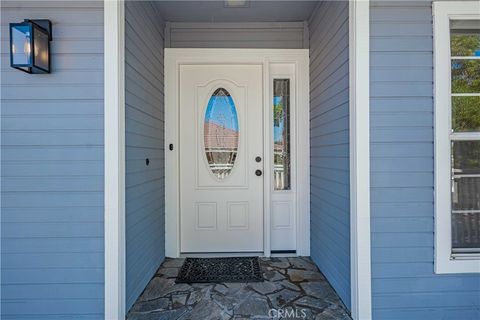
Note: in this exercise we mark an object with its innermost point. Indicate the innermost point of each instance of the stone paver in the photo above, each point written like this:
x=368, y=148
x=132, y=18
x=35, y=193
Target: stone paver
x=302, y=275
x=282, y=298
x=168, y=272
x=264, y=287
x=254, y=306
x=153, y=305
x=273, y=275
x=292, y=285
x=179, y=300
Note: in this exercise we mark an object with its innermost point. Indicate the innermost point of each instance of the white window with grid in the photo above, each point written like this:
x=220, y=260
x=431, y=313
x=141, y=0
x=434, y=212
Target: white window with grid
x=457, y=136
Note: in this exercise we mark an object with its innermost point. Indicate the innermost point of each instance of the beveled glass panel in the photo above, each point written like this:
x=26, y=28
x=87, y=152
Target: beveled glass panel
x=465, y=38
x=466, y=76
x=466, y=114
x=281, y=134
x=221, y=133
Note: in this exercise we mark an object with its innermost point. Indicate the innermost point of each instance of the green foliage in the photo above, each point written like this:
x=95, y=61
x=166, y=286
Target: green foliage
x=464, y=44
x=277, y=113
x=465, y=79
x=466, y=76
x=466, y=114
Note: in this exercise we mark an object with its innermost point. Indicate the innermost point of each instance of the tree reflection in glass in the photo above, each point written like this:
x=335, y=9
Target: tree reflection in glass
x=281, y=134
x=221, y=133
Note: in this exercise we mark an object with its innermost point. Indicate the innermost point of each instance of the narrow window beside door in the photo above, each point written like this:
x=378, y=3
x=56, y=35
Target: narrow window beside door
x=281, y=134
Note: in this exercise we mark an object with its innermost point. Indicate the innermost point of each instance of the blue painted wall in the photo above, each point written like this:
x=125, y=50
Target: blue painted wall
x=52, y=169
x=283, y=35
x=144, y=123
x=329, y=139
x=404, y=285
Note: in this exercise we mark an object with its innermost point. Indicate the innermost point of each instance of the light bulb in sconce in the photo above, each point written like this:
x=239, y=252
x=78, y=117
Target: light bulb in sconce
x=26, y=47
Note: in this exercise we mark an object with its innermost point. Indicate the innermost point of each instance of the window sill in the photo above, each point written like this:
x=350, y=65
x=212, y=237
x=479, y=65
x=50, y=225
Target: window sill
x=465, y=256
x=460, y=263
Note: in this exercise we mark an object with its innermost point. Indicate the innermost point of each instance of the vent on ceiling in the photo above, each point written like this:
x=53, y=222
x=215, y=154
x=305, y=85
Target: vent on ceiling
x=236, y=3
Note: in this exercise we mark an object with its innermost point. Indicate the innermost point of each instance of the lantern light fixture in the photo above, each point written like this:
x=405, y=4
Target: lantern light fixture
x=30, y=45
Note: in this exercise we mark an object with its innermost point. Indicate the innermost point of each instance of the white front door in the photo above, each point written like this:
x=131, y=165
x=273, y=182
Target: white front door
x=221, y=158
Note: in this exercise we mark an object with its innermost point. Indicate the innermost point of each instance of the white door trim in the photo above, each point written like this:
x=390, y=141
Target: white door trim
x=176, y=57
x=360, y=263
x=114, y=158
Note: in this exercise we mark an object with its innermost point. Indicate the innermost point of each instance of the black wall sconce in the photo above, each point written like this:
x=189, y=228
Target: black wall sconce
x=30, y=45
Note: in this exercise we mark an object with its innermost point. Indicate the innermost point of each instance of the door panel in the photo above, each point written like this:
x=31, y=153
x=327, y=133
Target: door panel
x=221, y=134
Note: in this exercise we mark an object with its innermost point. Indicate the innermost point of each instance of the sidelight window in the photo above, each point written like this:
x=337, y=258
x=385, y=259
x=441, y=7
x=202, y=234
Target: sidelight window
x=281, y=134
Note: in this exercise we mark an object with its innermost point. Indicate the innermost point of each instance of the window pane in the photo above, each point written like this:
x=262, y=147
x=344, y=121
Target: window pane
x=221, y=133
x=465, y=38
x=465, y=114
x=281, y=134
x=41, y=49
x=21, y=50
x=466, y=157
x=465, y=194
x=465, y=232
x=465, y=76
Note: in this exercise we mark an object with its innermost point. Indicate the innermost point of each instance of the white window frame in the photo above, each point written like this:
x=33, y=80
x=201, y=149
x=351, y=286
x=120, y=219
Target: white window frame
x=443, y=12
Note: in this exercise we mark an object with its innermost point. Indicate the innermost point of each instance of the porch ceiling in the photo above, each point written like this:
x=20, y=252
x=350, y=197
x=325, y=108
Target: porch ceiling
x=215, y=11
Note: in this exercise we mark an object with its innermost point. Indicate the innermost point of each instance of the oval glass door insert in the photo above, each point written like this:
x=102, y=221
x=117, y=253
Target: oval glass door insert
x=220, y=129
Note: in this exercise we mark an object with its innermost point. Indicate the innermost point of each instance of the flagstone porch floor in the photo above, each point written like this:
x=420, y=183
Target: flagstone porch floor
x=293, y=289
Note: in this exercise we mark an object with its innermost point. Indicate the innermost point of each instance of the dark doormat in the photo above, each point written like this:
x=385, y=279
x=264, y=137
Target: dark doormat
x=236, y=269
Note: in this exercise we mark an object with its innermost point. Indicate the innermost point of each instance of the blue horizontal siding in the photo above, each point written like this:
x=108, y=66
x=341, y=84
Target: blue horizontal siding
x=329, y=143
x=52, y=238
x=144, y=138
x=281, y=35
x=404, y=285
